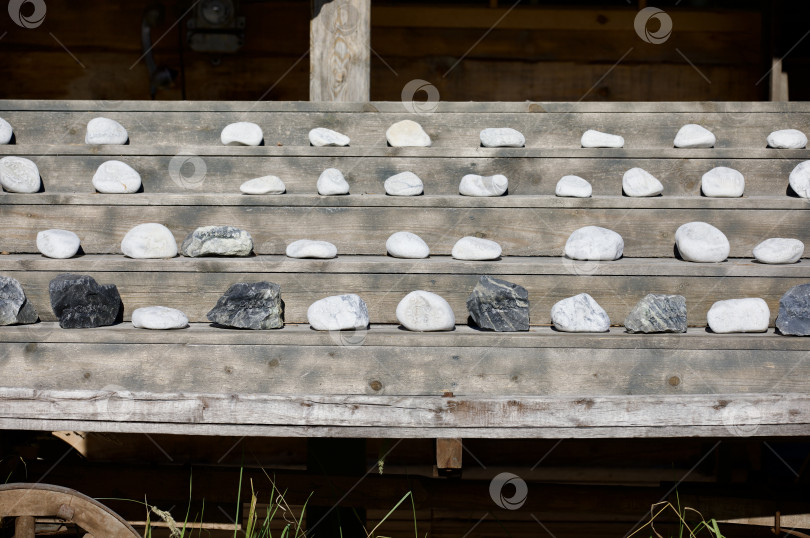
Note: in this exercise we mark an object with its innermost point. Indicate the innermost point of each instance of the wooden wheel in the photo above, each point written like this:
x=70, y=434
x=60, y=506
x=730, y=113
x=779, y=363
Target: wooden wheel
x=27, y=501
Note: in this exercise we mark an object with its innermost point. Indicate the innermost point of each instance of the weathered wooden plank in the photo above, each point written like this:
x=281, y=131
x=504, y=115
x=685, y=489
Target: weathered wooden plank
x=449, y=454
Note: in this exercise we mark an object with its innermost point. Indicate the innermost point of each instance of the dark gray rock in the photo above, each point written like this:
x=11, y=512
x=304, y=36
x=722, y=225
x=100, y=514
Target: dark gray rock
x=794, y=311
x=658, y=314
x=81, y=303
x=250, y=306
x=217, y=241
x=499, y=305
x=15, y=309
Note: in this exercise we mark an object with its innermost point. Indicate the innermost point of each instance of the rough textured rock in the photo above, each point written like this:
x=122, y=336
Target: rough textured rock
x=722, y=182
x=306, y=248
x=800, y=179
x=594, y=243
x=407, y=245
x=407, y=133
x=338, y=313
x=794, y=311
x=243, y=133
x=159, y=318
x=116, y=177
x=597, y=139
x=779, y=250
x=658, y=314
x=750, y=315
x=475, y=185
x=263, y=185
x=476, y=248
x=502, y=137
x=217, y=241
x=404, y=184
x=701, y=242
x=15, y=309
x=58, y=244
x=787, y=139
x=255, y=305
x=639, y=183
x=105, y=131
x=694, y=136
x=331, y=182
x=574, y=187
x=82, y=303
x=150, y=240
x=425, y=311
x=6, y=132
x=320, y=137
x=579, y=314
x=499, y=305
x=18, y=174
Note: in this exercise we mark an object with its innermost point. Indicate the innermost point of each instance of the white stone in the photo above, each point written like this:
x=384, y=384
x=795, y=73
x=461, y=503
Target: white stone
x=573, y=187
x=800, y=179
x=18, y=174
x=407, y=133
x=475, y=185
x=722, y=182
x=306, y=248
x=242, y=133
x=502, y=137
x=105, y=131
x=159, y=317
x=6, y=132
x=263, y=185
x=425, y=311
x=331, y=182
x=701, y=242
x=594, y=243
x=597, y=139
x=779, y=250
x=338, y=313
x=639, y=183
x=150, y=240
x=404, y=184
x=693, y=135
x=407, y=245
x=59, y=244
x=476, y=248
x=580, y=314
x=750, y=315
x=116, y=177
x=321, y=136
x=787, y=139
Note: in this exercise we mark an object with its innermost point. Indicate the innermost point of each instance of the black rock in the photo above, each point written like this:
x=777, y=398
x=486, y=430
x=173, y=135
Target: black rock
x=794, y=311
x=658, y=314
x=81, y=303
x=15, y=309
x=499, y=305
x=250, y=306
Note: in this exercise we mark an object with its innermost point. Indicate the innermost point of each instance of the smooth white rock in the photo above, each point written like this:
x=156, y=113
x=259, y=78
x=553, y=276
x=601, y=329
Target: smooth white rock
x=105, y=131
x=407, y=133
x=6, y=132
x=580, y=314
x=502, y=137
x=722, y=182
x=116, y=177
x=58, y=244
x=407, y=245
x=639, y=183
x=331, y=182
x=404, y=184
x=306, y=248
x=573, y=187
x=338, y=313
x=425, y=311
x=693, y=135
x=18, y=174
x=242, y=133
x=150, y=240
x=779, y=250
x=159, y=317
x=750, y=315
x=701, y=242
x=476, y=248
x=320, y=137
x=597, y=139
x=475, y=185
x=800, y=179
x=263, y=185
x=594, y=243
x=787, y=139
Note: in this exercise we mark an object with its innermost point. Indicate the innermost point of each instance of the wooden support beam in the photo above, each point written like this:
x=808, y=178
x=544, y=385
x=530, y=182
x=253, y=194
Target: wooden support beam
x=448, y=457
x=25, y=527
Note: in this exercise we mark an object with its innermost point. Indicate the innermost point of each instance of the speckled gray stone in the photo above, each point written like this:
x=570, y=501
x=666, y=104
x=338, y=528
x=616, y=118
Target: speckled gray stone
x=105, y=131
x=217, y=241
x=15, y=309
x=658, y=314
x=794, y=311
x=579, y=314
x=499, y=305
x=18, y=174
x=79, y=302
x=255, y=306
x=338, y=313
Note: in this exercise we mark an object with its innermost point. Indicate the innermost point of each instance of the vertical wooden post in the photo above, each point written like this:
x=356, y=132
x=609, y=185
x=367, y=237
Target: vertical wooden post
x=24, y=527
x=339, y=50
x=448, y=457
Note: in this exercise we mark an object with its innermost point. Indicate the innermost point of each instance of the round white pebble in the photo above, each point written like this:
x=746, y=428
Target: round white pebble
x=306, y=248
x=476, y=249
x=116, y=177
x=722, y=182
x=597, y=139
x=425, y=311
x=338, y=313
x=263, y=185
x=573, y=187
x=787, y=139
x=105, y=131
x=320, y=137
x=407, y=133
x=243, y=133
x=502, y=137
x=693, y=135
x=701, y=242
x=475, y=185
x=18, y=174
x=149, y=241
x=579, y=314
x=594, y=243
x=404, y=184
x=639, y=183
x=331, y=182
x=6, y=132
x=750, y=315
x=800, y=179
x=779, y=250
x=159, y=318
x=407, y=245
x=60, y=244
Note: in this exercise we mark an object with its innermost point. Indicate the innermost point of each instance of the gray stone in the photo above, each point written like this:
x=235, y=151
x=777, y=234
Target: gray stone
x=60, y=244
x=250, y=306
x=573, y=187
x=159, y=318
x=105, y=131
x=15, y=309
x=116, y=177
x=701, y=242
x=750, y=315
x=594, y=243
x=794, y=311
x=787, y=139
x=331, y=182
x=694, y=136
x=320, y=137
x=502, y=137
x=150, y=240
x=18, y=174
x=263, y=185
x=499, y=305
x=476, y=248
x=338, y=313
x=722, y=182
x=306, y=248
x=407, y=133
x=217, y=241
x=658, y=314
x=639, y=183
x=579, y=314
x=779, y=250
x=407, y=245
x=475, y=185
x=404, y=184
x=79, y=302
x=800, y=179
x=242, y=133
x=597, y=139
x=6, y=132
x=425, y=311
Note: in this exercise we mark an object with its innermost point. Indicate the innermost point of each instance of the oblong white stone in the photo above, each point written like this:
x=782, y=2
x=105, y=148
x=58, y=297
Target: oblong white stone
x=149, y=241
x=787, y=139
x=693, y=135
x=263, y=185
x=750, y=315
x=407, y=245
x=242, y=133
x=159, y=318
x=6, y=132
x=116, y=177
x=306, y=248
x=404, y=184
x=637, y=182
x=476, y=248
x=580, y=313
x=60, y=244
x=594, y=243
x=779, y=250
x=573, y=187
x=800, y=179
x=701, y=242
x=475, y=185
x=18, y=174
x=722, y=182
x=407, y=133
x=105, y=131
x=425, y=311
x=321, y=136
x=338, y=313
x=502, y=137
x=331, y=182
x=598, y=139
